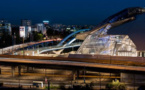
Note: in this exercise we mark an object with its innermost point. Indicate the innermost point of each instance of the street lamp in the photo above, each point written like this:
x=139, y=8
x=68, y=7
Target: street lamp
x=100, y=80
x=13, y=43
x=23, y=47
x=84, y=76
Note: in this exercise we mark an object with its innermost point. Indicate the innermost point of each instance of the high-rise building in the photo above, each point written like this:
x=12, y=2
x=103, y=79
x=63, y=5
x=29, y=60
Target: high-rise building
x=27, y=24
x=41, y=28
x=5, y=27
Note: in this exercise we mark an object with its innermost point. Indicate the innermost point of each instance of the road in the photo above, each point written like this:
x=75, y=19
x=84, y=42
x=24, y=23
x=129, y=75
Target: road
x=71, y=63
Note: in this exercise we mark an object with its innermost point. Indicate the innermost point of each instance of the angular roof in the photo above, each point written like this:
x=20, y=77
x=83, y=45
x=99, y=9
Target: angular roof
x=134, y=29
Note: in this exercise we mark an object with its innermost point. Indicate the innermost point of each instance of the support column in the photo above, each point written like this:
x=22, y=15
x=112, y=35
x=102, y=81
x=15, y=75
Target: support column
x=27, y=68
x=32, y=68
x=74, y=75
x=0, y=71
x=78, y=73
x=13, y=71
x=19, y=70
x=122, y=75
x=48, y=85
x=100, y=79
x=84, y=73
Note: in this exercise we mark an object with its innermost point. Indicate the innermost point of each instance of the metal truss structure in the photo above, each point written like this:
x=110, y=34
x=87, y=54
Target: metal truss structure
x=101, y=43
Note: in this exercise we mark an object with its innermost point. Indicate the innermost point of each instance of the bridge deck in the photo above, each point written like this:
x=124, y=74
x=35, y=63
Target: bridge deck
x=99, y=62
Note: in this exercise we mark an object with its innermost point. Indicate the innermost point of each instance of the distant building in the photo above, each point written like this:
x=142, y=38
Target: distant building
x=34, y=29
x=23, y=31
x=57, y=27
x=26, y=22
x=3, y=21
x=46, y=23
x=41, y=28
x=5, y=27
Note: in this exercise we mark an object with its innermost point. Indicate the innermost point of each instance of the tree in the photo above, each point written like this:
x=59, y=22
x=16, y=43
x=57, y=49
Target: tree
x=6, y=40
x=37, y=36
x=115, y=85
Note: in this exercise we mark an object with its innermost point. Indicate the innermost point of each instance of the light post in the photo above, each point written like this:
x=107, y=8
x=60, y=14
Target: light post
x=84, y=75
x=14, y=38
x=134, y=80
x=2, y=51
x=110, y=63
x=2, y=48
x=23, y=47
x=12, y=44
x=100, y=80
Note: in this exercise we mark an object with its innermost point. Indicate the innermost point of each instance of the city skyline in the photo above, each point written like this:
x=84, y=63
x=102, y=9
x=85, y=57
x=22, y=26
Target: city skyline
x=108, y=56
x=80, y=12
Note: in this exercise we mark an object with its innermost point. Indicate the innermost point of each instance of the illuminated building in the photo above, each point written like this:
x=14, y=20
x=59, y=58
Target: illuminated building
x=26, y=22
x=5, y=27
x=46, y=22
x=122, y=34
x=41, y=28
x=57, y=27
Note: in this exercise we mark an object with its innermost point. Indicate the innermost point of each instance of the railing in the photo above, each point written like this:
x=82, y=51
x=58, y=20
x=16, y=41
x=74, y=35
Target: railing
x=102, y=59
x=139, y=61
x=10, y=49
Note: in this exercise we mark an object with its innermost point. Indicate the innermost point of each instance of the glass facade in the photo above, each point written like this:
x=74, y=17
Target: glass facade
x=125, y=40
x=102, y=44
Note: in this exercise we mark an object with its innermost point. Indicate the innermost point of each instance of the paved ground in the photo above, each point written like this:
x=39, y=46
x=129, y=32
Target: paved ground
x=56, y=77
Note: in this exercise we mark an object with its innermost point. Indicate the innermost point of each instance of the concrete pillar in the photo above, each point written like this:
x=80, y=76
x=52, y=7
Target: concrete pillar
x=0, y=70
x=74, y=75
x=78, y=73
x=28, y=69
x=32, y=68
x=48, y=85
x=19, y=70
x=13, y=71
x=84, y=73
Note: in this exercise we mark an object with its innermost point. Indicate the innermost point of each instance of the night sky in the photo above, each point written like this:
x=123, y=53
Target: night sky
x=78, y=12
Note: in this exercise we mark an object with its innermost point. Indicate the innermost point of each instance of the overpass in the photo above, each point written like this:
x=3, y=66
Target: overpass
x=126, y=66
x=60, y=45
x=96, y=62
x=10, y=49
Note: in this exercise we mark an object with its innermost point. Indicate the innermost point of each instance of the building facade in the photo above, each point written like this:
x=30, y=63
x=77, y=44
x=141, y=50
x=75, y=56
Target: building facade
x=5, y=28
